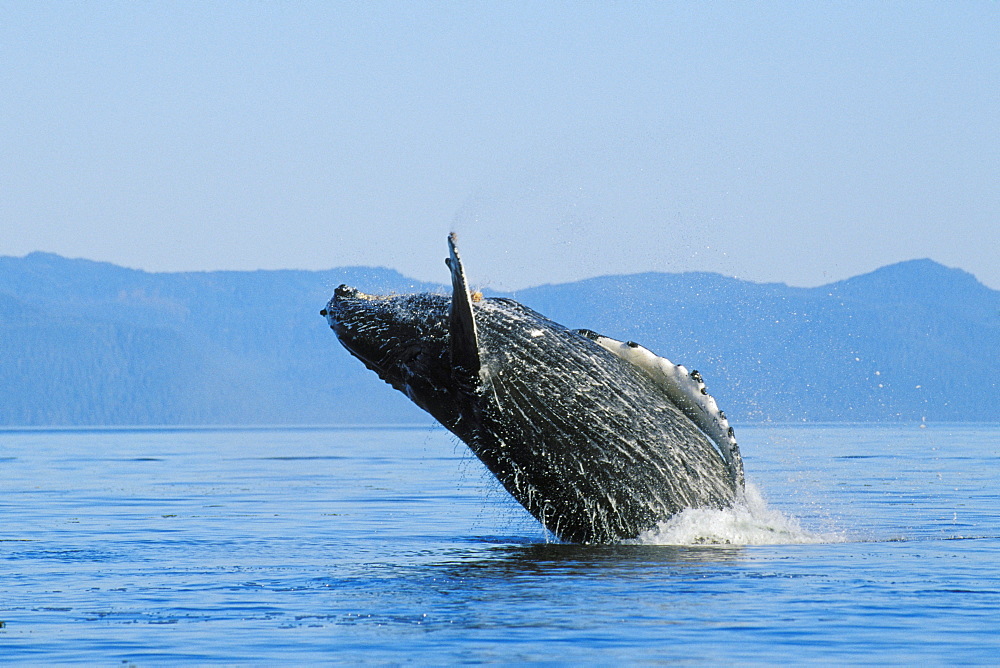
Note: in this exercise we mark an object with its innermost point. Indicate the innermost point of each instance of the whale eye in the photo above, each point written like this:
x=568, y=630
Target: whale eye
x=631, y=344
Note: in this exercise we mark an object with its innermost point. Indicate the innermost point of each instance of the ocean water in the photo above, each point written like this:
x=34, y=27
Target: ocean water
x=861, y=544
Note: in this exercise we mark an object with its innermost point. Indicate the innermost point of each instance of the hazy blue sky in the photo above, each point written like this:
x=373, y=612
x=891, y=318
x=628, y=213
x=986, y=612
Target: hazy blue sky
x=801, y=142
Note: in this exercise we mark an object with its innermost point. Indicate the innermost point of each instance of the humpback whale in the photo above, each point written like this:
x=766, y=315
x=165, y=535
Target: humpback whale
x=598, y=439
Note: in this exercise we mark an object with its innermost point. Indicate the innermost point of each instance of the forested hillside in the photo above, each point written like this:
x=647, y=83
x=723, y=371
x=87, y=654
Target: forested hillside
x=87, y=343
x=91, y=343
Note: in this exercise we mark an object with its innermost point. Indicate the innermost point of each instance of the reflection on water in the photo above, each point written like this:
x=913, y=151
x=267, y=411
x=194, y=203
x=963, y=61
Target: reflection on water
x=592, y=558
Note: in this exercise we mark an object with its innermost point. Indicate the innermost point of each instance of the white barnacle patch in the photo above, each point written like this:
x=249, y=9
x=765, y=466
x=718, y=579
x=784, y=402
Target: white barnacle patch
x=535, y=333
x=485, y=373
x=688, y=392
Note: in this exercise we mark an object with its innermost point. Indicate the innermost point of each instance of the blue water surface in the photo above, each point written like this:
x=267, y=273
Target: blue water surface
x=392, y=545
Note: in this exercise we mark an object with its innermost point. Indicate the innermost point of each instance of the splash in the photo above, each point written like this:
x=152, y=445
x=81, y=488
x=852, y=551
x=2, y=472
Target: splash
x=750, y=523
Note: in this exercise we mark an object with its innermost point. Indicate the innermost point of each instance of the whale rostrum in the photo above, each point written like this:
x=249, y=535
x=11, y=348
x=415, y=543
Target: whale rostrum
x=598, y=439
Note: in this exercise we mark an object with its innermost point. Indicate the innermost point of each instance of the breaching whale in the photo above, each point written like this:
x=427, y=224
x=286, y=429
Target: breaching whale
x=598, y=439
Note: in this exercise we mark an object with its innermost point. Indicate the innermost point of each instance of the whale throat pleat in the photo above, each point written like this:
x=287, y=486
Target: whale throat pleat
x=642, y=458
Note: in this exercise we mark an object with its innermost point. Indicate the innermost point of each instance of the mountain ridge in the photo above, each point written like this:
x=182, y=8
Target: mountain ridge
x=92, y=343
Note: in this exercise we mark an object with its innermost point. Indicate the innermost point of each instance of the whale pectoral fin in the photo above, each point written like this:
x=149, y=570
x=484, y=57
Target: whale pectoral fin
x=687, y=391
x=462, y=324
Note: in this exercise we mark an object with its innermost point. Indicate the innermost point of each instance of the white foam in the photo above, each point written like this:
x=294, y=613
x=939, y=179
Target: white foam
x=749, y=523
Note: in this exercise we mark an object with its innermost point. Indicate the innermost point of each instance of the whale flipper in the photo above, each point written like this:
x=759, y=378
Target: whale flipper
x=686, y=390
x=462, y=324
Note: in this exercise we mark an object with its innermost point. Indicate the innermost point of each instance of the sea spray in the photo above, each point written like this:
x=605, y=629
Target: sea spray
x=751, y=522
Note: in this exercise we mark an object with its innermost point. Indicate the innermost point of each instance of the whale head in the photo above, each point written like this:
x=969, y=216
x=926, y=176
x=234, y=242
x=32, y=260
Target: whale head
x=402, y=338
x=388, y=333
